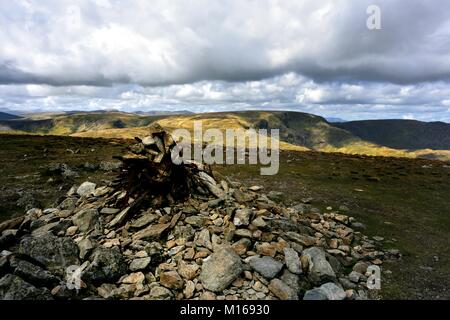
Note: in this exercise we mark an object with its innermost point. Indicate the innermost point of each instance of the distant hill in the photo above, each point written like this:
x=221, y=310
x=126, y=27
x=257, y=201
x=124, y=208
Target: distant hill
x=402, y=134
x=69, y=123
x=297, y=130
x=8, y=116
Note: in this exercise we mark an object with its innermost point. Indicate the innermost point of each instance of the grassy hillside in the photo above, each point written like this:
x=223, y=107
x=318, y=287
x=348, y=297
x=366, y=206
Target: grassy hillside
x=7, y=116
x=402, y=134
x=298, y=131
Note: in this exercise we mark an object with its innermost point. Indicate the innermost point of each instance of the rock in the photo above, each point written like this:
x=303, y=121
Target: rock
x=241, y=246
x=259, y=222
x=85, y=246
x=266, y=249
x=255, y=188
x=266, y=266
x=296, y=282
x=160, y=293
x=56, y=254
x=34, y=274
x=282, y=291
x=186, y=270
x=13, y=287
x=152, y=232
x=302, y=239
x=106, y=290
x=11, y=224
x=242, y=217
x=332, y=291
x=86, y=220
x=107, y=265
x=134, y=278
x=189, y=289
x=292, y=260
x=109, y=211
x=145, y=220
x=360, y=267
x=171, y=280
x=119, y=218
x=220, y=269
x=86, y=189
x=139, y=264
x=211, y=184
x=354, y=276
x=203, y=239
x=243, y=233
x=319, y=269
x=196, y=221
x=184, y=232
x=315, y=294
x=69, y=203
x=71, y=231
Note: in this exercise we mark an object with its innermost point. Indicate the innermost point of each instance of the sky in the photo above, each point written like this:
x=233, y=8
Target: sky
x=314, y=56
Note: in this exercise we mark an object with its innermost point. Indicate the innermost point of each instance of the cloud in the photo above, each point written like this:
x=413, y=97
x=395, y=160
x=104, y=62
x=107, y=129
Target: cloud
x=158, y=43
x=311, y=55
x=289, y=91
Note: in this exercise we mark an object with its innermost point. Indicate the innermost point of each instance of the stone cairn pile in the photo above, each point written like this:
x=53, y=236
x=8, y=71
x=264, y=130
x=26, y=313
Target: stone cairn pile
x=166, y=231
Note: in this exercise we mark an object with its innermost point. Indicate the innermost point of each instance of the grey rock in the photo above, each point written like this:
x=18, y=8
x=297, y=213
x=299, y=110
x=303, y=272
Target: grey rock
x=55, y=254
x=360, y=267
x=184, y=232
x=86, y=189
x=86, y=220
x=220, y=269
x=34, y=274
x=69, y=203
x=13, y=287
x=139, y=264
x=354, y=276
x=203, y=239
x=315, y=294
x=333, y=291
x=85, y=246
x=196, y=221
x=107, y=265
x=319, y=269
x=160, y=293
x=292, y=260
x=144, y=220
x=296, y=282
x=108, y=211
x=266, y=266
x=242, y=217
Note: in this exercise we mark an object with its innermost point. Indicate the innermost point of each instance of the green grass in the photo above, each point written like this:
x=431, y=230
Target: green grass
x=409, y=206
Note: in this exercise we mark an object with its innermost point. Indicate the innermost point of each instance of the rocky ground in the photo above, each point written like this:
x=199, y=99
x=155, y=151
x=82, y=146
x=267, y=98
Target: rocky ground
x=161, y=231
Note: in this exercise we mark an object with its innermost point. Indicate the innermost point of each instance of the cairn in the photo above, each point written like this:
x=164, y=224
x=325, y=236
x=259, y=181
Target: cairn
x=167, y=231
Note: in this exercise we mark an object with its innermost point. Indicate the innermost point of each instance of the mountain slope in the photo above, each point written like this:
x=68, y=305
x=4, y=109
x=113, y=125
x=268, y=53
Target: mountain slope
x=8, y=116
x=68, y=123
x=402, y=134
x=298, y=130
